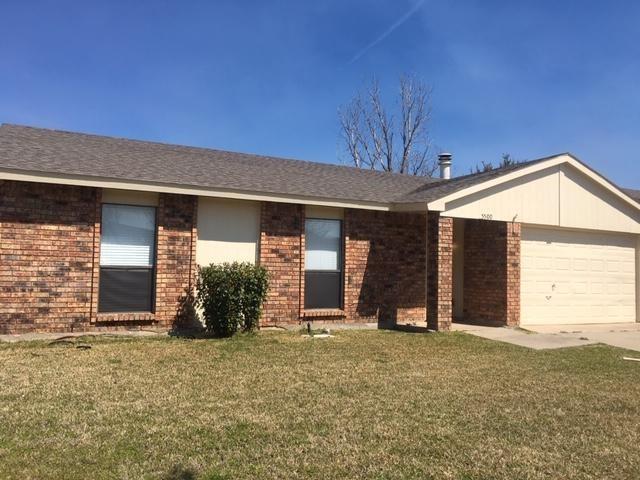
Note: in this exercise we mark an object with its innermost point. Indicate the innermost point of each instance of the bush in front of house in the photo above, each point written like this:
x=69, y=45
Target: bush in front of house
x=231, y=296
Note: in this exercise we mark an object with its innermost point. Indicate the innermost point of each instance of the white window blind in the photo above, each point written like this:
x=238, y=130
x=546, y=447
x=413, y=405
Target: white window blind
x=322, y=240
x=128, y=236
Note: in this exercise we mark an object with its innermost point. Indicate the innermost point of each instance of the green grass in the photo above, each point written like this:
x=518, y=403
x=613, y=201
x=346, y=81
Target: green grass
x=365, y=404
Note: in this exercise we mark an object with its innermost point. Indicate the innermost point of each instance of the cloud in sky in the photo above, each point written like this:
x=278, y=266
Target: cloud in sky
x=407, y=15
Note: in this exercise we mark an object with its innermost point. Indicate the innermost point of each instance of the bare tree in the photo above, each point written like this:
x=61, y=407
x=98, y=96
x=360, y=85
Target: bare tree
x=374, y=139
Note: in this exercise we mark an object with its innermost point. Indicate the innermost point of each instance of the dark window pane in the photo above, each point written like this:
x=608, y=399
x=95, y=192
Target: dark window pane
x=322, y=289
x=125, y=290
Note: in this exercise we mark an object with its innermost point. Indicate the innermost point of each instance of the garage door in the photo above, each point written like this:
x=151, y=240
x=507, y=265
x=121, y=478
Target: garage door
x=571, y=276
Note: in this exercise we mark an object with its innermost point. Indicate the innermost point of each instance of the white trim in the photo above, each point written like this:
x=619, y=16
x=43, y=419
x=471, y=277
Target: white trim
x=102, y=182
x=441, y=203
x=436, y=205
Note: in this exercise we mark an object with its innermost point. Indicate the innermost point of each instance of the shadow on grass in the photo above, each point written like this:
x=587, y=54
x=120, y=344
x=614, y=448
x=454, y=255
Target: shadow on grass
x=402, y=327
x=186, y=324
x=178, y=472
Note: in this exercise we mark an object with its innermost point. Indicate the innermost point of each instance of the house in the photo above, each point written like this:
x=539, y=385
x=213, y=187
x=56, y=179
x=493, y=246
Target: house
x=102, y=233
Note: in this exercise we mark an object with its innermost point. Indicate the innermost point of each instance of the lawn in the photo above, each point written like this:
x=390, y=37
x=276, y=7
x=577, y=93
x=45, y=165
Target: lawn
x=365, y=404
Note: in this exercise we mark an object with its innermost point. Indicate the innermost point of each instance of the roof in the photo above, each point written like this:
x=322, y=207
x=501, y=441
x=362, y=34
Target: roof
x=440, y=188
x=635, y=194
x=44, y=151
x=53, y=151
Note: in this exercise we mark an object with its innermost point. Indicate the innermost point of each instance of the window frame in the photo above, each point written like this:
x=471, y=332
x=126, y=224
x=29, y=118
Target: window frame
x=153, y=268
x=341, y=262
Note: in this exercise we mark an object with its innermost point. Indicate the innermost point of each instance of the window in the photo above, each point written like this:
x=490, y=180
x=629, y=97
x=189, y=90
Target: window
x=323, y=263
x=127, y=258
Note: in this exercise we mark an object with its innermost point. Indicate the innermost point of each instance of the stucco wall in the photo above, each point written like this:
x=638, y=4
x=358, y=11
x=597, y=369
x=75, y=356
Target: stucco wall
x=228, y=230
x=130, y=197
x=312, y=211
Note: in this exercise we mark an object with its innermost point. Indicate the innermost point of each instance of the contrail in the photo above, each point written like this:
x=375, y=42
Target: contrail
x=388, y=31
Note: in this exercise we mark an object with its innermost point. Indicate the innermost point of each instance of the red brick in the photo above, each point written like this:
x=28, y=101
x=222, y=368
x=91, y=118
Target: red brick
x=492, y=272
x=440, y=272
x=282, y=254
x=50, y=254
x=46, y=256
x=384, y=266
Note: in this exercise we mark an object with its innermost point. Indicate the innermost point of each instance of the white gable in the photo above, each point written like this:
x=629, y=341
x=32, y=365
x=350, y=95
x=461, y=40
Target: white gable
x=562, y=195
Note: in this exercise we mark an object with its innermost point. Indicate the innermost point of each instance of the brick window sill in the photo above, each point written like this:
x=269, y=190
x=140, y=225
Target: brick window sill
x=324, y=313
x=126, y=317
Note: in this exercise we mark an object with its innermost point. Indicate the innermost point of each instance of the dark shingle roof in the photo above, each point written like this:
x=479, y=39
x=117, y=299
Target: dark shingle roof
x=53, y=151
x=441, y=188
x=41, y=150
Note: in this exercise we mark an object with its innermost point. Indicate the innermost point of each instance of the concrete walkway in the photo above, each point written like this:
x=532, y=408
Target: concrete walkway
x=623, y=335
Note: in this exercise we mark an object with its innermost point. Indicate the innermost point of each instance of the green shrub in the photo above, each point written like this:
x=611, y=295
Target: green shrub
x=231, y=296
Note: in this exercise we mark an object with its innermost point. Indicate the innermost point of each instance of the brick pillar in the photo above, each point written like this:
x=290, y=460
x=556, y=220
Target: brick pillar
x=176, y=267
x=513, y=274
x=439, y=272
x=281, y=253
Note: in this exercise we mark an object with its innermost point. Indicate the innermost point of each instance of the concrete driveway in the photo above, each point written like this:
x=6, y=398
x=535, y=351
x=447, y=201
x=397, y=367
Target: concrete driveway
x=623, y=335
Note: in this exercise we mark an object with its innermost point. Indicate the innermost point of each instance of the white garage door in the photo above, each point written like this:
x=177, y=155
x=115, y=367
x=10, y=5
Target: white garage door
x=571, y=276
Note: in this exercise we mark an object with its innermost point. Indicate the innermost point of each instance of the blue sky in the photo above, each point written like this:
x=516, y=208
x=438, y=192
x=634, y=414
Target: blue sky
x=530, y=78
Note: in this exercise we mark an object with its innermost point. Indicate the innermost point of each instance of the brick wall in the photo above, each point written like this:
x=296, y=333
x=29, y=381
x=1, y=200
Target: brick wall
x=384, y=266
x=440, y=272
x=50, y=256
x=46, y=256
x=492, y=272
x=50, y=252
x=281, y=252
x=176, y=259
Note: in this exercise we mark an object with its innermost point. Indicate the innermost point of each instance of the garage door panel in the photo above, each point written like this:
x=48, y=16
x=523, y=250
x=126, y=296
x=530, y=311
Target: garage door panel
x=572, y=276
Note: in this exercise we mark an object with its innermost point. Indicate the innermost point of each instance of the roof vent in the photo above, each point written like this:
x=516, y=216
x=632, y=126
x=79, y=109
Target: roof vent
x=444, y=160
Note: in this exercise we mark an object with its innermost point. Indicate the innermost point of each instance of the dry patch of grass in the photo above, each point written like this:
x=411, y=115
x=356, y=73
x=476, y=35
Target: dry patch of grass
x=365, y=404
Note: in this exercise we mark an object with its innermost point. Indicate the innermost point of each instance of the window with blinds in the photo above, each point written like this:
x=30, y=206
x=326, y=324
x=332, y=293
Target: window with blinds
x=323, y=263
x=127, y=258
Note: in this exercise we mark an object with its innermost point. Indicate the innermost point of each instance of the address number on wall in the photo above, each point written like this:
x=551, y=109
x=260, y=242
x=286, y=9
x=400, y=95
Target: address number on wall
x=486, y=216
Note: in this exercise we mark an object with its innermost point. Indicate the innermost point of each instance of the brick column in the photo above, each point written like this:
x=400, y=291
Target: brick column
x=176, y=267
x=281, y=253
x=439, y=272
x=514, y=232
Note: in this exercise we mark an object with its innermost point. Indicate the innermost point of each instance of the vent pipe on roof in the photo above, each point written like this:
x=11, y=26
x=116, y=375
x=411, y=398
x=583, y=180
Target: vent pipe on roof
x=444, y=160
